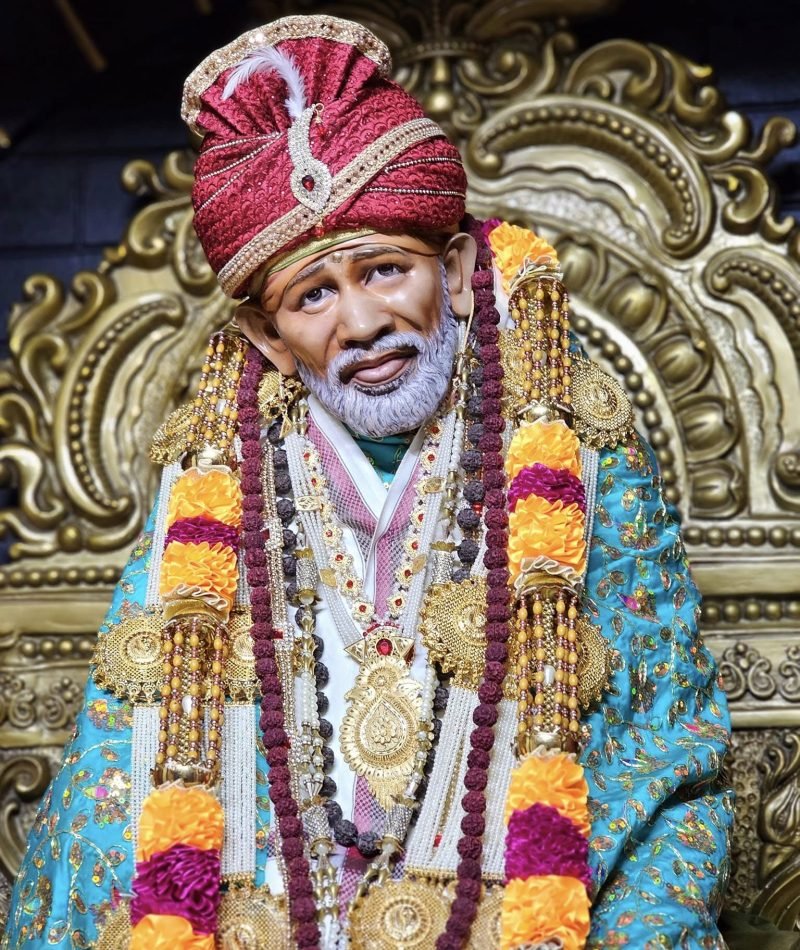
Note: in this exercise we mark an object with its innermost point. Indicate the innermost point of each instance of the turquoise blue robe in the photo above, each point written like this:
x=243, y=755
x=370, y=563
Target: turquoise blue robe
x=661, y=817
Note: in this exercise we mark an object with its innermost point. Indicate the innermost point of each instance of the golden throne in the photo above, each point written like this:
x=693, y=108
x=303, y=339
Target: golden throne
x=685, y=285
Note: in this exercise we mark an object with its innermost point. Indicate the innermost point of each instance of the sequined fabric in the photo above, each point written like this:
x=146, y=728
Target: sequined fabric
x=660, y=820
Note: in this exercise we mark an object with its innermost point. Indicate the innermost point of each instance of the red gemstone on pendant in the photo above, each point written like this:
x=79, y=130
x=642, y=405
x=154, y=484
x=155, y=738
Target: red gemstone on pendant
x=307, y=182
x=384, y=647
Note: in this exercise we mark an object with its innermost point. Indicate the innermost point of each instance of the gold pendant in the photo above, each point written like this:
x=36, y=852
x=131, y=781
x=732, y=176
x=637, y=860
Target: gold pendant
x=452, y=626
x=379, y=731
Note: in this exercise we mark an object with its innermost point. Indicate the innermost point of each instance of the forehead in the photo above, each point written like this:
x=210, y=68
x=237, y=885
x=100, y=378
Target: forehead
x=363, y=248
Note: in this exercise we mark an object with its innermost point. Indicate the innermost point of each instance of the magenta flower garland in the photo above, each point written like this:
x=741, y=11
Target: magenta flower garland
x=184, y=882
x=195, y=530
x=541, y=841
x=552, y=484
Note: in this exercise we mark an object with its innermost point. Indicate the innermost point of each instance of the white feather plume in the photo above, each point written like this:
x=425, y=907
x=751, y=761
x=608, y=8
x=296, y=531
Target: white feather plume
x=263, y=60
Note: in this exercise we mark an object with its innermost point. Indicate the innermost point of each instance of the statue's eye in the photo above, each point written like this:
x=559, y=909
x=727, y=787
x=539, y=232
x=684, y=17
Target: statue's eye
x=386, y=269
x=315, y=295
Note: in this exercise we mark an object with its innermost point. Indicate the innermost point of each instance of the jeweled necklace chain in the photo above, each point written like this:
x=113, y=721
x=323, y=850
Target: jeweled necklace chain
x=313, y=757
x=354, y=613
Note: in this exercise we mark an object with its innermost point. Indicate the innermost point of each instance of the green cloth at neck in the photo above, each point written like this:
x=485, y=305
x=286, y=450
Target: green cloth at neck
x=385, y=454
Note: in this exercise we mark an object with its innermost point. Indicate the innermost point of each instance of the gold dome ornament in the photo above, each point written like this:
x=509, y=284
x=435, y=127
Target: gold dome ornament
x=127, y=660
x=379, y=730
x=411, y=913
x=594, y=663
x=602, y=413
x=251, y=918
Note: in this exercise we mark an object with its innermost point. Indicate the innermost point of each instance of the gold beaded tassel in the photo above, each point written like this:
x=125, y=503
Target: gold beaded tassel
x=540, y=312
x=555, y=370
x=573, y=702
x=539, y=342
x=170, y=691
x=212, y=424
x=219, y=648
x=526, y=708
x=193, y=647
x=545, y=660
x=560, y=716
x=566, y=358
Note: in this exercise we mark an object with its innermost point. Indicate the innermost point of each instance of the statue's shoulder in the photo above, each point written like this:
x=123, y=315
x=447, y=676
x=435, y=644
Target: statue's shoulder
x=602, y=413
x=171, y=442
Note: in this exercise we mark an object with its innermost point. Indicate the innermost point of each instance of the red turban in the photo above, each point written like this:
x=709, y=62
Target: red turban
x=304, y=133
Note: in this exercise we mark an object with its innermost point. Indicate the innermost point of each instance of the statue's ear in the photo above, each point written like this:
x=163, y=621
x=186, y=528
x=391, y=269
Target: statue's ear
x=259, y=328
x=459, y=263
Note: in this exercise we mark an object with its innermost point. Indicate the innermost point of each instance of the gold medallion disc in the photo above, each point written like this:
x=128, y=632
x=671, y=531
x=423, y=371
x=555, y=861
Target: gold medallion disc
x=602, y=412
x=399, y=915
x=452, y=626
x=253, y=919
x=411, y=914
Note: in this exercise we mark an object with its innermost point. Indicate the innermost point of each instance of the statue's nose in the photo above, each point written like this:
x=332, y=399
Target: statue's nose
x=362, y=317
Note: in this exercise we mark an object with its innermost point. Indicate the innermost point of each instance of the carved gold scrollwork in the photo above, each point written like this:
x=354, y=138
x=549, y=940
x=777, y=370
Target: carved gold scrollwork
x=748, y=674
x=93, y=376
x=685, y=285
x=162, y=232
x=746, y=750
x=17, y=701
x=619, y=137
x=22, y=779
x=765, y=868
x=789, y=670
x=779, y=829
x=464, y=61
x=744, y=670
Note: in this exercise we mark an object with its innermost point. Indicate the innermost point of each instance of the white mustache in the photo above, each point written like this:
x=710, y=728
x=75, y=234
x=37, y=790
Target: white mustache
x=393, y=341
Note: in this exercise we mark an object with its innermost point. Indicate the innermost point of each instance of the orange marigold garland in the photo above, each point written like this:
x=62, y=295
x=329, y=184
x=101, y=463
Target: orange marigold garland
x=547, y=872
x=518, y=251
x=547, y=517
x=180, y=832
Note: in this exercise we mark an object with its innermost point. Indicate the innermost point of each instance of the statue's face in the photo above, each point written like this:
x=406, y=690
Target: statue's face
x=369, y=326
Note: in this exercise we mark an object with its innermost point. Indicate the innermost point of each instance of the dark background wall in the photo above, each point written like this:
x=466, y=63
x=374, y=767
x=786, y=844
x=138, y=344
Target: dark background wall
x=71, y=129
